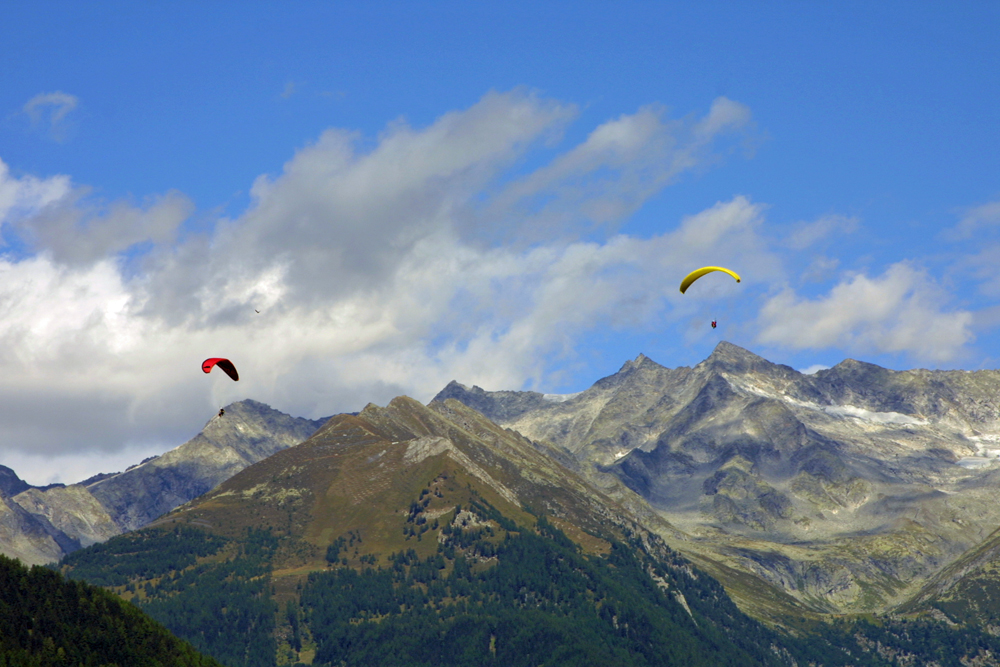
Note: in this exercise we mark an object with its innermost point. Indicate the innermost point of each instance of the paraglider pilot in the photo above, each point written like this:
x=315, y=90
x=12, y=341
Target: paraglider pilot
x=713, y=324
x=222, y=411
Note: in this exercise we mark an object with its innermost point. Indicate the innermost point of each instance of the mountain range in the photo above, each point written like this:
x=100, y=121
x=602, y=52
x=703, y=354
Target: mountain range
x=847, y=489
x=853, y=490
x=451, y=508
x=412, y=534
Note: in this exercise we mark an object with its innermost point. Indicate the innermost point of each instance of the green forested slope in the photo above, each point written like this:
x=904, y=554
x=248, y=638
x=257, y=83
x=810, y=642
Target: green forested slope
x=46, y=619
x=541, y=603
x=219, y=602
x=488, y=593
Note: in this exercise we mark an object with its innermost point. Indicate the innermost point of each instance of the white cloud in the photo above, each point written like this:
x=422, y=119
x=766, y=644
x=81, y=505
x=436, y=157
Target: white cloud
x=376, y=272
x=53, y=217
x=725, y=115
x=76, y=230
x=808, y=234
x=702, y=233
x=820, y=268
x=984, y=266
x=26, y=196
x=815, y=368
x=645, y=152
x=902, y=310
x=974, y=220
x=53, y=107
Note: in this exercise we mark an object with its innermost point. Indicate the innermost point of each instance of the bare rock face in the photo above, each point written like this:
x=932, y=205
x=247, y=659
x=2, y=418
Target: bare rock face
x=29, y=538
x=23, y=535
x=40, y=525
x=499, y=406
x=72, y=510
x=848, y=488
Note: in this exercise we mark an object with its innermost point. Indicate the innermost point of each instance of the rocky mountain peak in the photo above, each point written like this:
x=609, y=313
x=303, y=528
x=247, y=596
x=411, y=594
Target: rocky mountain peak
x=240, y=412
x=735, y=360
x=369, y=409
x=496, y=405
x=10, y=483
x=456, y=387
x=639, y=362
x=248, y=432
x=852, y=368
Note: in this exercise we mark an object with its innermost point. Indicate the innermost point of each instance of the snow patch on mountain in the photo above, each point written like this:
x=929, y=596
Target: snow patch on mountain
x=868, y=415
x=832, y=410
x=985, y=454
x=560, y=398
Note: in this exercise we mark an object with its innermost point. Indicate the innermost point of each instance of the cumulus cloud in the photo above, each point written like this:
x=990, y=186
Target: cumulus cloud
x=52, y=217
x=903, y=310
x=377, y=271
x=391, y=267
x=51, y=109
x=725, y=115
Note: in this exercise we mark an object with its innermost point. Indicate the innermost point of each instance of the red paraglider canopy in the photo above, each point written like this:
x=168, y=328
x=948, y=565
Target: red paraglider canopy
x=224, y=364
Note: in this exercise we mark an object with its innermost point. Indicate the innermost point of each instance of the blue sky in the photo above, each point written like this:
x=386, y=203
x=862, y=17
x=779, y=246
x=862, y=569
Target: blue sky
x=505, y=194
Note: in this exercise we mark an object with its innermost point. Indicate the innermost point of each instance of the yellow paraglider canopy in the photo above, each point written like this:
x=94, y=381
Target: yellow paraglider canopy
x=698, y=273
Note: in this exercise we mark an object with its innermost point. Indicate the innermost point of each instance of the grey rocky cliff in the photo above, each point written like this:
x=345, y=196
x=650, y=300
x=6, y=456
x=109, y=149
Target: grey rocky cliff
x=72, y=510
x=40, y=525
x=33, y=539
x=847, y=488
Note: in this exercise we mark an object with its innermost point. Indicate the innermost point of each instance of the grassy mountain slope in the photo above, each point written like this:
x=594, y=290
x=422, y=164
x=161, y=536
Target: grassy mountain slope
x=967, y=591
